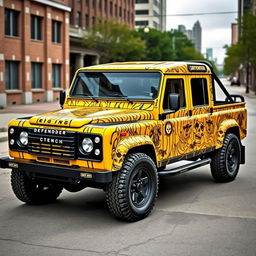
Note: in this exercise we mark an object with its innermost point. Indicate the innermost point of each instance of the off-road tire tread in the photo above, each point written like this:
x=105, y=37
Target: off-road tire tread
x=115, y=192
x=20, y=187
x=218, y=168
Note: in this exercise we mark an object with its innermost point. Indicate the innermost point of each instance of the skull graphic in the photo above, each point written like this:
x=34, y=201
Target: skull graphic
x=198, y=132
x=221, y=135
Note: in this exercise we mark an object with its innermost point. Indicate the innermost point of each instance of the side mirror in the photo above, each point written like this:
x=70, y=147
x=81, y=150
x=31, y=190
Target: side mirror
x=62, y=98
x=174, y=101
x=174, y=105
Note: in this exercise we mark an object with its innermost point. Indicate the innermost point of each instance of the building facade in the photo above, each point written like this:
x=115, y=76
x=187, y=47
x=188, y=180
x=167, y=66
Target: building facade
x=150, y=13
x=194, y=34
x=34, y=50
x=197, y=36
x=83, y=15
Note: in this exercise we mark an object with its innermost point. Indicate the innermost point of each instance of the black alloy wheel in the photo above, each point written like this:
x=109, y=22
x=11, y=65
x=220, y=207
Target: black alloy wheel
x=132, y=193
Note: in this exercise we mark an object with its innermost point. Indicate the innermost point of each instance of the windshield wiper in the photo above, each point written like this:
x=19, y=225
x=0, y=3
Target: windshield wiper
x=93, y=98
x=89, y=96
x=122, y=97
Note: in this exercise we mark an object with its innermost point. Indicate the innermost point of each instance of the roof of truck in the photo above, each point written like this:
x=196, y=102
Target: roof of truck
x=180, y=67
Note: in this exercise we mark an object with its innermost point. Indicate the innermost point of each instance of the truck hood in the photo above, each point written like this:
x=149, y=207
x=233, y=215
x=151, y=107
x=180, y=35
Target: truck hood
x=81, y=116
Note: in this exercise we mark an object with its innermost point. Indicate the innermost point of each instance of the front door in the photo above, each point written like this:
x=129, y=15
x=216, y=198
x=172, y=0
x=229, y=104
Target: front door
x=177, y=127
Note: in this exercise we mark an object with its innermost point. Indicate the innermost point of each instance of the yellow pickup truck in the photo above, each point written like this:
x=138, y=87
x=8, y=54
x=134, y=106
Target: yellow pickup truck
x=118, y=128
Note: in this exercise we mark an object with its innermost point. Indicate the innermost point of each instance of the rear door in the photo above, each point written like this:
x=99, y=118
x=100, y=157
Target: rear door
x=200, y=111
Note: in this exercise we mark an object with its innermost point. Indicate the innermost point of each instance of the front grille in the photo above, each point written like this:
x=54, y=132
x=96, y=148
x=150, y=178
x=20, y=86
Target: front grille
x=56, y=143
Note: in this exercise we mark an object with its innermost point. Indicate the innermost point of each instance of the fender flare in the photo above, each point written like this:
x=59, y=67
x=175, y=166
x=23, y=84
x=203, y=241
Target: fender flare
x=127, y=144
x=224, y=126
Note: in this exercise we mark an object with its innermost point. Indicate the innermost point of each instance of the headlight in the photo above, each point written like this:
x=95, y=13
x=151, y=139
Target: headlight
x=23, y=138
x=87, y=145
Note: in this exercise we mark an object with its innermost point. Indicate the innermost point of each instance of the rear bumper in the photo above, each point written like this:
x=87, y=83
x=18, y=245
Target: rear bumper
x=63, y=173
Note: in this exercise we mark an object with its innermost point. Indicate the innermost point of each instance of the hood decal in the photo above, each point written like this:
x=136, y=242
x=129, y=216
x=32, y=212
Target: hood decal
x=82, y=116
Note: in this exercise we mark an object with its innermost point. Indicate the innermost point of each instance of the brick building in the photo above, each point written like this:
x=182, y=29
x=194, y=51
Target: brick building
x=83, y=15
x=41, y=44
x=34, y=50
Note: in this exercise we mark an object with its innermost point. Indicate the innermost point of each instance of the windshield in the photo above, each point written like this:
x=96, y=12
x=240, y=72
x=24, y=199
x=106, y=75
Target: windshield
x=115, y=84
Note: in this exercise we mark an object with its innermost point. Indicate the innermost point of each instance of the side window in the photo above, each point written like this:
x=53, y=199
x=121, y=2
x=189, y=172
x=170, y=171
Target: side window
x=174, y=86
x=199, y=92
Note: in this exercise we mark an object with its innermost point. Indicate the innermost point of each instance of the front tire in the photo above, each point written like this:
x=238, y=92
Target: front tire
x=226, y=160
x=131, y=195
x=32, y=191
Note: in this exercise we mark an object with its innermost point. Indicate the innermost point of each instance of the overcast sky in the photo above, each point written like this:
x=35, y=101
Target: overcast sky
x=216, y=29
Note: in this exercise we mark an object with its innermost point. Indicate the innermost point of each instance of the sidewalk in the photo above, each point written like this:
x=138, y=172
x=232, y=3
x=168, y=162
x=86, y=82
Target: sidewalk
x=239, y=90
x=31, y=108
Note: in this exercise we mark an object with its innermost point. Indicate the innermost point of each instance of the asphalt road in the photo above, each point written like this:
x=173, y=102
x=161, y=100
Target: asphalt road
x=193, y=216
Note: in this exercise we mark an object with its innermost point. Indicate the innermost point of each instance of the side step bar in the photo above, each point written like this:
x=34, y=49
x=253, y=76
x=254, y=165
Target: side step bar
x=186, y=167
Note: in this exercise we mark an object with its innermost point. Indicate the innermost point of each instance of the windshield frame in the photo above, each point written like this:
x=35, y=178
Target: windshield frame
x=107, y=98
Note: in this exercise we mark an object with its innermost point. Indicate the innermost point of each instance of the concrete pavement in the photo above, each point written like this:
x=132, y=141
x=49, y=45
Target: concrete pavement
x=193, y=216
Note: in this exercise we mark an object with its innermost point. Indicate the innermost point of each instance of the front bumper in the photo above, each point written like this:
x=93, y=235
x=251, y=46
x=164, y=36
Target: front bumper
x=55, y=172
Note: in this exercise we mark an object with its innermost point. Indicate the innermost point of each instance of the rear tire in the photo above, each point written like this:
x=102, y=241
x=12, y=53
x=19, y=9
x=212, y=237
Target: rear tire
x=226, y=160
x=131, y=195
x=31, y=191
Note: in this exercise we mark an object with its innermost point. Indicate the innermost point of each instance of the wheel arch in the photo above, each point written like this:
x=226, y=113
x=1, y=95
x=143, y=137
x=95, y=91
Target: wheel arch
x=227, y=126
x=136, y=144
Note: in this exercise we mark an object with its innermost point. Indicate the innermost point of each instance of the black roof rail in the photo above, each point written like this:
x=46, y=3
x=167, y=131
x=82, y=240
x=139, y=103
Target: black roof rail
x=207, y=63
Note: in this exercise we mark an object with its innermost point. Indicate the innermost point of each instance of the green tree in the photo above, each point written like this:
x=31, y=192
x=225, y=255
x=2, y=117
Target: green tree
x=244, y=52
x=158, y=44
x=236, y=54
x=114, y=42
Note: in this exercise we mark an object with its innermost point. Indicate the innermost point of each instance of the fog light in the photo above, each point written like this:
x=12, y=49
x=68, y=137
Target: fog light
x=97, y=152
x=12, y=142
x=97, y=139
x=11, y=131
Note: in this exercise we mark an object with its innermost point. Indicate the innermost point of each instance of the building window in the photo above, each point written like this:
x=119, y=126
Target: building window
x=56, y=75
x=120, y=12
x=93, y=20
x=87, y=3
x=78, y=18
x=106, y=6
x=142, y=12
x=36, y=27
x=12, y=75
x=11, y=22
x=86, y=20
x=156, y=25
x=156, y=3
x=116, y=10
x=156, y=14
x=36, y=82
x=141, y=1
x=56, y=25
x=141, y=23
x=199, y=91
x=111, y=8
